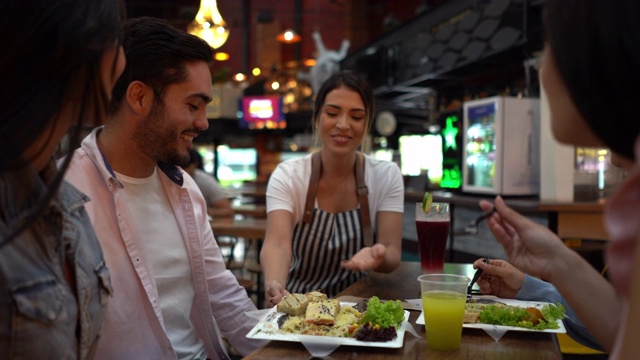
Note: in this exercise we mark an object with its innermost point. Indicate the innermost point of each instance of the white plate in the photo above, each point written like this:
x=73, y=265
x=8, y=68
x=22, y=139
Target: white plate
x=267, y=329
x=511, y=302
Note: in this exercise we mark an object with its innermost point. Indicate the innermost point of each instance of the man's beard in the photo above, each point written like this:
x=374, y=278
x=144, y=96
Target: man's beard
x=157, y=137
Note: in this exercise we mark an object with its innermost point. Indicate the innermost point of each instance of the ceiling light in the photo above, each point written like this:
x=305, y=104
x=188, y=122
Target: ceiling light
x=288, y=36
x=221, y=56
x=209, y=24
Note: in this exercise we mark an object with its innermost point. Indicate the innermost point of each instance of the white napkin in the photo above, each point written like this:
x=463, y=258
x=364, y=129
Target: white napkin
x=495, y=333
x=415, y=302
x=318, y=346
x=408, y=328
x=258, y=314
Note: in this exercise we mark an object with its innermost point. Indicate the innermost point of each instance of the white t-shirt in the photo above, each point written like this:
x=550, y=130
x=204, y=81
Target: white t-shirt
x=287, y=189
x=210, y=188
x=165, y=251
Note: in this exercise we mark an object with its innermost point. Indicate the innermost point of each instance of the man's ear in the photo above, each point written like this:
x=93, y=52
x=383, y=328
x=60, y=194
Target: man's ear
x=139, y=97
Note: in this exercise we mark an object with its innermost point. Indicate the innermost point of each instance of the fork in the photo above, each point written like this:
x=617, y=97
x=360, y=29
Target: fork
x=476, y=276
x=472, y=228
x=271, y=317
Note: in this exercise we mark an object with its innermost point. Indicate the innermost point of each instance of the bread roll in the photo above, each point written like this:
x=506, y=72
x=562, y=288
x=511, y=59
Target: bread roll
x=293, y=304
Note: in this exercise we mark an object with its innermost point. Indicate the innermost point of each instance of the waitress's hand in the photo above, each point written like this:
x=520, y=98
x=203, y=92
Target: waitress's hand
x=274, y=293
x=367, y=258
x=530, y=246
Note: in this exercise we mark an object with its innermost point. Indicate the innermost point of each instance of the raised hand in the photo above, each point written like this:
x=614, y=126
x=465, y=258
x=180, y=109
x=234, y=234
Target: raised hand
x=530, y=246
x=367, y=258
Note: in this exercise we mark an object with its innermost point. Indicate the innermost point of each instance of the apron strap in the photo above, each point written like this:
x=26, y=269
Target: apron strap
x=363, y=198
x=361, y=189
x=316, y=164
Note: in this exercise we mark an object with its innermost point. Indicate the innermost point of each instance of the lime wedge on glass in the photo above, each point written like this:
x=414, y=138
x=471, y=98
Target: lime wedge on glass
x=427, y=199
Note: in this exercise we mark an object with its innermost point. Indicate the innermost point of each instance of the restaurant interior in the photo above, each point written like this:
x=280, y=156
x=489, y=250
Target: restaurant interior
x=431, y=63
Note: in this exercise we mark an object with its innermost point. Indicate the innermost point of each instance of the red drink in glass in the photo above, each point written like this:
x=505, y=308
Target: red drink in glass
x=432, y=244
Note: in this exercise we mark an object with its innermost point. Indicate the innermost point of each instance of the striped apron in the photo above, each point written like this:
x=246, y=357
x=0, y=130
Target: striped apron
x=322, y=240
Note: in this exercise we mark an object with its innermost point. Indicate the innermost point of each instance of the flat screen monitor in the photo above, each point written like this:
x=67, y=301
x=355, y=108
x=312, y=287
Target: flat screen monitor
x=421, y=155
x=383, y=154
x=262, y=112
x=287, y=155
x=236, y=165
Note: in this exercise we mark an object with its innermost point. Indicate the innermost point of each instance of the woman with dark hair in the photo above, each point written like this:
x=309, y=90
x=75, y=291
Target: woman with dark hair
x=590, y=74
x=323, y=209
x=60, y=61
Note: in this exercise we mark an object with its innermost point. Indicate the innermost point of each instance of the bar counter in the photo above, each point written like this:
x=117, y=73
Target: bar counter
x=570, y=220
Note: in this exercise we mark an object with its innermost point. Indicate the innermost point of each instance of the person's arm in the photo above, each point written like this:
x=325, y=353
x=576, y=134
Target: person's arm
x=627, y=345
x=536, y=250
x=386, y=198
x=220, y=209
x=275, y=256
x=385, y=255
x=534, y=289
x=389, y=234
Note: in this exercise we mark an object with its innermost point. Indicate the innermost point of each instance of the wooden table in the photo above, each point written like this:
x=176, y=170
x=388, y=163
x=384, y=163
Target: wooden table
x=252, y=231
x=403, y=284
x=576, y=220
x=249, y=228
x=251, y=210
x=255, y=194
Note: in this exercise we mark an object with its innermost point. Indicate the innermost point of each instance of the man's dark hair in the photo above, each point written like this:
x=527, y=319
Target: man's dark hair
x=156, y=55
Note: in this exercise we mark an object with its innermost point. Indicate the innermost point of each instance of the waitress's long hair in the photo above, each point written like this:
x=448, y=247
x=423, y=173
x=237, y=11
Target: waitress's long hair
x=51, y=53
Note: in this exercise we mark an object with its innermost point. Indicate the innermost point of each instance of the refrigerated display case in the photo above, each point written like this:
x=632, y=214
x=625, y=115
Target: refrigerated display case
x=501, y=146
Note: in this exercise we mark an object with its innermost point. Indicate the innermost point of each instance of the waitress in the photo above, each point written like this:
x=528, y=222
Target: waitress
x=336, y=214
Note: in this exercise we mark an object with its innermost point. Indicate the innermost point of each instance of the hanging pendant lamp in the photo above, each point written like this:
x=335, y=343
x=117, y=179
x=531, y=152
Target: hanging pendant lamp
x=209, y=24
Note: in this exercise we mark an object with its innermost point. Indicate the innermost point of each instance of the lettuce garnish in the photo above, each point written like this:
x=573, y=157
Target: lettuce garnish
x=385, y=314
x=517, y=316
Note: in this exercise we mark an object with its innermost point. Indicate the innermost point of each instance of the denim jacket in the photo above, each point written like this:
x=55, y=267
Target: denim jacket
x=42, y=315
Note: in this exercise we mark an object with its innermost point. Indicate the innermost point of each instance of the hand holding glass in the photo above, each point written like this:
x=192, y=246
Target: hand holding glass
x=433, y=231
x=443, y=302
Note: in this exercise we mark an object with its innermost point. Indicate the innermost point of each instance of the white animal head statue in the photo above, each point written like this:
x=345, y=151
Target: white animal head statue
x=327, y=62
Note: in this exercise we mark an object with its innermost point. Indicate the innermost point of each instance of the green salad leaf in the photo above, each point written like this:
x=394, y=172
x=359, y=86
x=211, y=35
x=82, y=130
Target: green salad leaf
x=553, y=312
x=518, y=316
x=385, y=314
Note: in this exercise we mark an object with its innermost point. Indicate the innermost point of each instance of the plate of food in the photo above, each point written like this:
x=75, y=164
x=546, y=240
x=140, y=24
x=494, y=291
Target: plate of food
x=313, y=319
x=511, y=315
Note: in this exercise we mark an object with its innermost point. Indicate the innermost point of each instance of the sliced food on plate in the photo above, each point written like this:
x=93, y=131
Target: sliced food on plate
x=498, y=313
x=315, y=314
